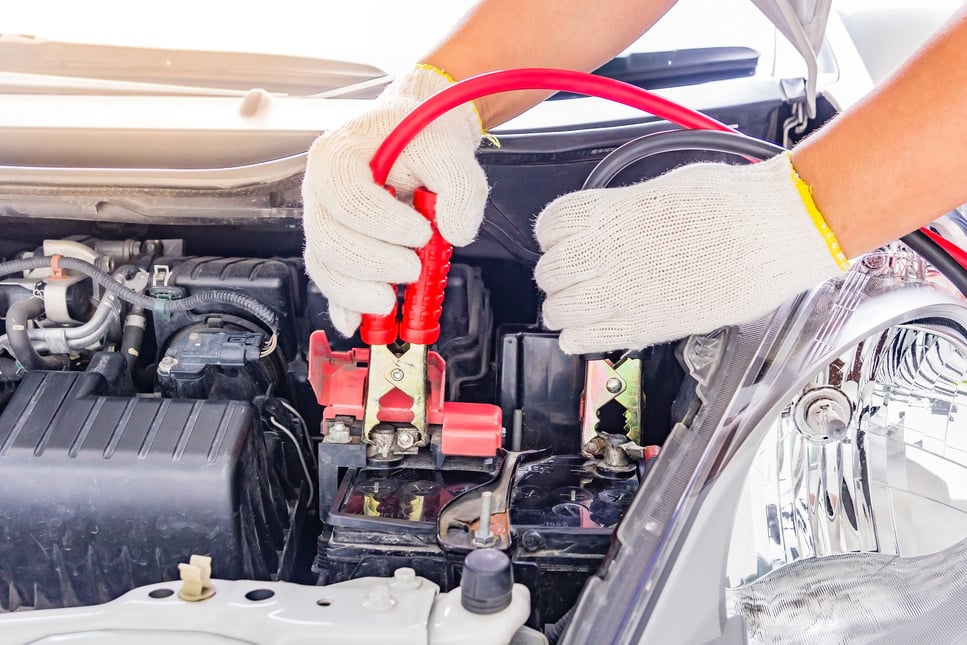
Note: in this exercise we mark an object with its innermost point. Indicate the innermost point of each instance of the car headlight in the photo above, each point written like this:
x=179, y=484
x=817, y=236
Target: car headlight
x=864, y=465
x=816, y=489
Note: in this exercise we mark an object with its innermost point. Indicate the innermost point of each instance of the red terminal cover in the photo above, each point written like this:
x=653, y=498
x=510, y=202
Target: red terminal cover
x=339, y=382
x=471, y=429
x=337, y=378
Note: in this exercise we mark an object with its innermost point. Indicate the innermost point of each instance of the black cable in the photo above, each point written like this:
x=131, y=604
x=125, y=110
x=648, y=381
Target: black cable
x=676, y=141
x=16, y=266
x=18, y=315
x=739, y=144
x=935, y=254
x=246, y=303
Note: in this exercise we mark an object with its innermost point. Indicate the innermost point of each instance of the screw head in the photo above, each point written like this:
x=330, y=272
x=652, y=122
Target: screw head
x=338, y=433
x=614, y=385
x=532, y=540
x=397, y=374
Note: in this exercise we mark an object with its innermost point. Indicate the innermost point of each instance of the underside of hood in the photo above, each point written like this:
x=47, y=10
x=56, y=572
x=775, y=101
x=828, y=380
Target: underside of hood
x=803, y=22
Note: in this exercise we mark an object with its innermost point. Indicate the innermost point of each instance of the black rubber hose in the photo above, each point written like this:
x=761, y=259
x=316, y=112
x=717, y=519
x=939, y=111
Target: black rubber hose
x=739, y=144
x=132, y=336
x=555, y=631
x=18, y=315
x=246, y=303
x=16, y=266
x=676, y=141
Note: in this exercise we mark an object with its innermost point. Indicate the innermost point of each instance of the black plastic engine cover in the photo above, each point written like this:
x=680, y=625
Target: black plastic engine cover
x=276, y=283
x=100, y=494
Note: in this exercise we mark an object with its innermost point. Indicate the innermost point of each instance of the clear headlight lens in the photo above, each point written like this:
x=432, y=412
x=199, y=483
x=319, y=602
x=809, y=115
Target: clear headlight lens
x=816, y=489
x=867, y=463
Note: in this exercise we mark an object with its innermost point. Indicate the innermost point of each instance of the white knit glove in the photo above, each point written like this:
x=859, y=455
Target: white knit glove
x=703, y=246
x=359, y=239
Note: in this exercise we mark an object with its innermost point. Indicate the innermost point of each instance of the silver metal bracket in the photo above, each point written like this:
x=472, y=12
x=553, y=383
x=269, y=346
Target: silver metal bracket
x=795, y=124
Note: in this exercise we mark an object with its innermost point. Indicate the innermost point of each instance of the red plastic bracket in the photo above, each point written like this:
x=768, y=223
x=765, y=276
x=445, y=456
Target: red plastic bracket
x=337, y=378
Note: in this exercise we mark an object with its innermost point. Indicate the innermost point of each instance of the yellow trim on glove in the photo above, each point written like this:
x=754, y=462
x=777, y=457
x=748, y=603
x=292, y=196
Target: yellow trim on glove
x=489, y=137
x=432, y=68
x=806, y=194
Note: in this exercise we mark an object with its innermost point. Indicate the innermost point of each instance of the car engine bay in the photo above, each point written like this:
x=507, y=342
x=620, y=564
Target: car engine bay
x=175, y=403
x=190, y=451
x=156, y=436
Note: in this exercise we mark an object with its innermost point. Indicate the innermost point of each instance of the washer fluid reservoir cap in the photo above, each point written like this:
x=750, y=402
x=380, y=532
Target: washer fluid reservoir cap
x=488, y=582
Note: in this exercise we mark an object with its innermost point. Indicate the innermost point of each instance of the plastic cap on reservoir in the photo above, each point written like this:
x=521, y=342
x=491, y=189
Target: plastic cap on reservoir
x=487, y=583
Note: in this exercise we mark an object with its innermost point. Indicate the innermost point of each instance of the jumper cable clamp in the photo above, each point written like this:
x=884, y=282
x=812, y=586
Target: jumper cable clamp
x=389, y=396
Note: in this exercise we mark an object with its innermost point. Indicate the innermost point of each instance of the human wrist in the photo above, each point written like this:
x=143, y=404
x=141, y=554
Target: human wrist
x=832, y=194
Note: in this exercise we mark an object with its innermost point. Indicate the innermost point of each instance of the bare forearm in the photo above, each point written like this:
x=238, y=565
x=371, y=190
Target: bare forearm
x=898, y=159
x=570, y=34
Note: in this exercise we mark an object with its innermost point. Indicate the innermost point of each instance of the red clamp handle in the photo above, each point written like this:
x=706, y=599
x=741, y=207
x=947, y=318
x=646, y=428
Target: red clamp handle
x=423, y=299
x=379, y=330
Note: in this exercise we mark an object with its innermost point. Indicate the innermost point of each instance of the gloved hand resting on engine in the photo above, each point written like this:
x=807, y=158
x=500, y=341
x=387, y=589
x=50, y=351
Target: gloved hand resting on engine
x=359, y=239
x=703, y=246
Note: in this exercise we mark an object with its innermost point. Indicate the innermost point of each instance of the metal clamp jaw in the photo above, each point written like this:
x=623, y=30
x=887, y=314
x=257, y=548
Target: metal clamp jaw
x=405, y=372
x=616, y=449
x=606, y=381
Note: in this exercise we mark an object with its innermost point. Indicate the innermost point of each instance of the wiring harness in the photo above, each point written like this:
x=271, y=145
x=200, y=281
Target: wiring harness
x=260, y=311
